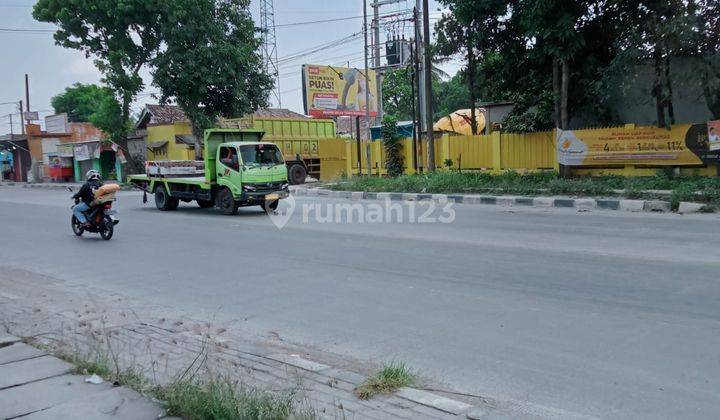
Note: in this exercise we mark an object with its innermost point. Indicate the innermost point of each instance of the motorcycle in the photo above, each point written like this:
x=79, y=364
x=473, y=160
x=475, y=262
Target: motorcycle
x=101, y=218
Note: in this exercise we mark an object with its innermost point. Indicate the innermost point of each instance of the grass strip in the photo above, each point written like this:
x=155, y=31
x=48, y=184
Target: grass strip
x=389, y=379
x=683, y=188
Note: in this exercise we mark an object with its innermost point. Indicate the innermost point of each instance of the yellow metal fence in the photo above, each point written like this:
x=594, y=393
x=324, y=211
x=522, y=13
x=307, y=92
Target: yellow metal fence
x=496, y=152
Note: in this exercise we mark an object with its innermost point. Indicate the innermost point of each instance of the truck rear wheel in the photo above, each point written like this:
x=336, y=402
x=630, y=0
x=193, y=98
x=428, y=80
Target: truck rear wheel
x=297, y=174
x=162, y=199
x=227, y=202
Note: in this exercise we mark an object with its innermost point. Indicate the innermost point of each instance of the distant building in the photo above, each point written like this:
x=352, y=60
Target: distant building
x=65, y=151
x=15, y=160
x=169, y=133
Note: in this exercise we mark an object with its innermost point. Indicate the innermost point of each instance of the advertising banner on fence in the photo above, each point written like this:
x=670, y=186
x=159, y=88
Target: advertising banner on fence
x=713, y=134
x=332, y=91
x=681, y=146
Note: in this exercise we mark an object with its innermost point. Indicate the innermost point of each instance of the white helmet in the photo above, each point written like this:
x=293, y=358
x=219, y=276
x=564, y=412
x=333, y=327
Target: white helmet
x=92, y=174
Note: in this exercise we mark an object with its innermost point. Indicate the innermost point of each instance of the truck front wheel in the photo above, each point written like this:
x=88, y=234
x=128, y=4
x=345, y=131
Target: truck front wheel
x=297, y=174
x=270, y=206
x=227, y=202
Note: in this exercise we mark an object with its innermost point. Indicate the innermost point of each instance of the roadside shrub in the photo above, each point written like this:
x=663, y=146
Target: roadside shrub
x=682, y=193
x=393, y=147
x=389, y=379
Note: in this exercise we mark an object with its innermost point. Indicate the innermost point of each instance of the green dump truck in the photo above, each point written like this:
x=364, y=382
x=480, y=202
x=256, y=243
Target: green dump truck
x=299, y=139
x=239, y=169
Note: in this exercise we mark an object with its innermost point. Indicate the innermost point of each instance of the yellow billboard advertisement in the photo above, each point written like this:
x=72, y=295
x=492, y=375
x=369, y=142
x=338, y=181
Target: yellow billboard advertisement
x=333, y=91
x=681, y=145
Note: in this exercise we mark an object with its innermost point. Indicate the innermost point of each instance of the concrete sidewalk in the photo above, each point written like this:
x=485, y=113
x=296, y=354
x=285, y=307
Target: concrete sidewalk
x=36, y=385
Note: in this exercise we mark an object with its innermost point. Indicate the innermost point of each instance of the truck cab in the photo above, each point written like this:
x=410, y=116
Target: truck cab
x=252, y=172
x=238, y=169
x=244, y=170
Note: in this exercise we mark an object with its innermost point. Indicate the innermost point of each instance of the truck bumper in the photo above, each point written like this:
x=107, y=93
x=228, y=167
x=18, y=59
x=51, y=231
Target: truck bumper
x=260, y=197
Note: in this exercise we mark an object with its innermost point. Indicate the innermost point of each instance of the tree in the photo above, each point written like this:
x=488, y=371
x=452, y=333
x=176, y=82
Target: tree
x=451, y=95
x=705, y=44
x=393, y=147
x=80, y=101
x=122, y=37
x=470, y=30
x=398, y=93
x=556, y=26
x=210, y=63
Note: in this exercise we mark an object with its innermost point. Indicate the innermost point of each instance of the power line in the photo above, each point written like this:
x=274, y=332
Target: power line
x=318, y=48
x=322, y=59
x=288, y=25
x=25, y=30
x=337, y=19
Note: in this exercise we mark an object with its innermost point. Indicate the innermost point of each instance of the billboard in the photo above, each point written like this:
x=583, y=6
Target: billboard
x=334, y=91
x=682, y=145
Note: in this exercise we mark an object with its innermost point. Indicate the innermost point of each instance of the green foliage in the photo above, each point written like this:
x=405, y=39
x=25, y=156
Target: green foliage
x=682, y=188
x=393, y=147
x=448, y=95
x=121, y=36
x=398, y=93
x=109, y=118
x=451, y=95
x=220, y=398
x=389, y=379
x=509, y=47
x=211, y=64
x=531, y=113
x=683, y=192
x=80, y=101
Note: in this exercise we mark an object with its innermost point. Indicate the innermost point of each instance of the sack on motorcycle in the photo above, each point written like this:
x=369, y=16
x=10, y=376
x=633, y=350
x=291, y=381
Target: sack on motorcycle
x=107, y=189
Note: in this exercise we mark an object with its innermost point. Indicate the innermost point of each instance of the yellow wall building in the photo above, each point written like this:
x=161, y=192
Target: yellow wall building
x=170, y=142
x=169, y=134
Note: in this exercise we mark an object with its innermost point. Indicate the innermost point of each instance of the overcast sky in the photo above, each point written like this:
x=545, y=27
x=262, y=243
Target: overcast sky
x=52, y=68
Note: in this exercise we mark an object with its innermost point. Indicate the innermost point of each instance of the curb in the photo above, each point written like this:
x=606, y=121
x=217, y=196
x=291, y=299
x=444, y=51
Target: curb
x=581, y=204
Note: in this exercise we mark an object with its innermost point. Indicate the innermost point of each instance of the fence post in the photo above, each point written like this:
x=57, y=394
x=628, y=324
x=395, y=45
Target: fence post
x=496, y=153
x=555, y=160
x=444, y=150
x=408, y=158
x=348, y=159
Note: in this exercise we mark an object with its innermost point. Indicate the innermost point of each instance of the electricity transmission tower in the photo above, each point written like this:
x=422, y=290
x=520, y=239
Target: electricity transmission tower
x=269, y=48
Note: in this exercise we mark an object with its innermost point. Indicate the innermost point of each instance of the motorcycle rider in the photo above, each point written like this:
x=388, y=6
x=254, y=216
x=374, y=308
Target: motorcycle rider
x=86, y=195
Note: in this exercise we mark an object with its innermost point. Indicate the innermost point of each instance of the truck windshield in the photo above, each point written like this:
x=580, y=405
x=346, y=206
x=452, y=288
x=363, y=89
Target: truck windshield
x=261, y=154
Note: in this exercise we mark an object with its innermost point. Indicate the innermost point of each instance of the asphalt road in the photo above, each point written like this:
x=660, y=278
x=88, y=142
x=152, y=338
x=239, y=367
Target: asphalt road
x=606, y=314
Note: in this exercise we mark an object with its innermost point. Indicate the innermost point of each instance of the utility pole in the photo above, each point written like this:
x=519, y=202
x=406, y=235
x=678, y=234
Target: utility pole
x=419, y=81
x=376, y=58
x=413, y=80
x=22, y=120
x=419, y=54
x=367, y=73
x=359, y=148
x=27, y=95
x=428, y=89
